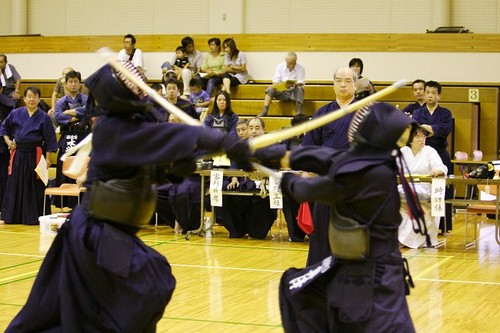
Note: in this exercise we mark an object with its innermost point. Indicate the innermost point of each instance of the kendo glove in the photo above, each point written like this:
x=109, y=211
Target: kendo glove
x=236, y=149
x=270, y=156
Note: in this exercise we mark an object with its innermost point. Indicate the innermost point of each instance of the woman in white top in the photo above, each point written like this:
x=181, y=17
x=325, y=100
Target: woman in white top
x=420, y=160
x=235, y=66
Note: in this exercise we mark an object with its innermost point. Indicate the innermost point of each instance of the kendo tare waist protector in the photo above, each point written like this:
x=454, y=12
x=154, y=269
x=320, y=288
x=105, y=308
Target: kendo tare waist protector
x=128, y=201
x=348, y=238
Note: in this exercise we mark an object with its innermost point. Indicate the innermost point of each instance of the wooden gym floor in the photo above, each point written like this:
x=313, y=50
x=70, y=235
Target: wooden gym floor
x=231, y=285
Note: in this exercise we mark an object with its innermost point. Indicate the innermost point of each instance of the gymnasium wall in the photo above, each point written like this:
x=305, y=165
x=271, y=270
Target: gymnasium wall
x=110, y=17
x=366, y=29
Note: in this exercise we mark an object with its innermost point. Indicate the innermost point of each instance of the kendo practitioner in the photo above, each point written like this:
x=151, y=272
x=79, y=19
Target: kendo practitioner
x=249, y=215
x=98, y=276
x=30, y=136
x=74, y=125
x=362, y=287
x=438, y=121
x=332, y=135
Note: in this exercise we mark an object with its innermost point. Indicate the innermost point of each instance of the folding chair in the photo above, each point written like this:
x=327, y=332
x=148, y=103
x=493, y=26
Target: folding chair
x=67, y=189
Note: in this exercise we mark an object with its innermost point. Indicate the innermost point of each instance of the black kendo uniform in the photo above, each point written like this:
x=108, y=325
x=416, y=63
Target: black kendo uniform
x=340, y=293
x=98, y=276
x=332, y=135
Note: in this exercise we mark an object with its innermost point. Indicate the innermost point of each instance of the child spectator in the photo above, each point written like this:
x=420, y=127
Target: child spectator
x=199, y=97
x=181, y=61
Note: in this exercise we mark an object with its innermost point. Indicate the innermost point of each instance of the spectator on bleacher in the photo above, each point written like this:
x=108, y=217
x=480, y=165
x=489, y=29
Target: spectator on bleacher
x=248, y=215
x=59, y=90
x=288, y=84
x=418, y=88
x=333, y=135
x=10, y=80
x=131, y=53
x=29, y=134
x=438, y=121
x=365, y=86
x=420, y=160
x=172, y=86
x=74, y=126
x=181, y=62
x=195, y=61
x=222, y=117
x=235, y=66
x=213, y=66
x=199, y=97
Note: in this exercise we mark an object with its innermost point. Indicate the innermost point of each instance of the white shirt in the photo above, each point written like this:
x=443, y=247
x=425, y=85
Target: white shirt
x=136, y=59
x=426, y=160
x=283, y=74
x=240, y=60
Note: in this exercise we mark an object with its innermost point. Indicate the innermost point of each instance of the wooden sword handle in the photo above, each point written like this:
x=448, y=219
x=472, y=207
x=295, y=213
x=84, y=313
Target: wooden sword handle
x=274, y=137
x=108, y=55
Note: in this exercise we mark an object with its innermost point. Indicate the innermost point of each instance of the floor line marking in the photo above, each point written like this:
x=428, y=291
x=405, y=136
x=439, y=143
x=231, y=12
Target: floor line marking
x=15, y=277
x=459, y=281
x=230, y=268
x=433, y=267
x=278, y=325
x=22, y=255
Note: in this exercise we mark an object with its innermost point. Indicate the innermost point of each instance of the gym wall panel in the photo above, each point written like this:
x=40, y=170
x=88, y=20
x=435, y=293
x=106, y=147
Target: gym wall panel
x=97, y=17
x=477, y=16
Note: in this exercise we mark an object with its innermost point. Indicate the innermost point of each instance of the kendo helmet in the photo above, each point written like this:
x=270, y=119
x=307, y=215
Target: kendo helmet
x=380, y=126
x=111, y=93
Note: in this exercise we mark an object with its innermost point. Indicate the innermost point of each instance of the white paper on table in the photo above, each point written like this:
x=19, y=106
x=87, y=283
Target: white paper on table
x=42, y=171
x=275, y=195
x=438, y=189
x=216, y=179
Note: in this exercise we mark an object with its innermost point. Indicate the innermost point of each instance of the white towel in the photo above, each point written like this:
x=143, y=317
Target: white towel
x=8, y=75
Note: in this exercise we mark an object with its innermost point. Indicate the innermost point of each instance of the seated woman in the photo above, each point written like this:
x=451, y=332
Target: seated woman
x=422, y=160
x=365, y=86
x=213, y=66
x=222, y=117
x=235, y=69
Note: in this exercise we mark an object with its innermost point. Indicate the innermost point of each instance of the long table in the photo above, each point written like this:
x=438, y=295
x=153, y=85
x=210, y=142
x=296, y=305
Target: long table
x=452, y=180
x=459, y=180
x=254, y=175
